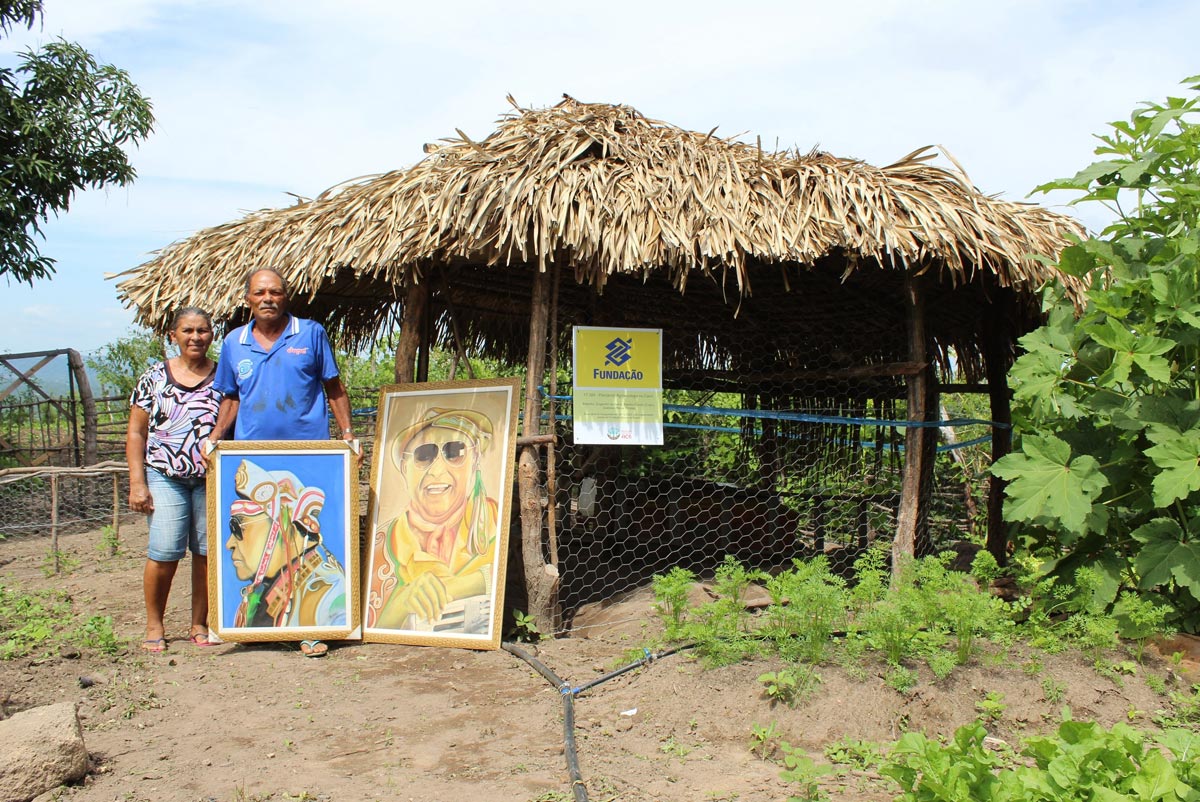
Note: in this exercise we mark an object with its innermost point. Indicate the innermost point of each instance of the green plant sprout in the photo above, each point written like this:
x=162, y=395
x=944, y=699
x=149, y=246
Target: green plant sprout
x=525, y=626
x=991, y=707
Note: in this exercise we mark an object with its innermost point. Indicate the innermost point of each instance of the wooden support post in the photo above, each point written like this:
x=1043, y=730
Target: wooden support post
x=416, y=300
x=551, y=457
x=426, y=338
x=862, y=525
x=115, y=541
x=923, y=542
x=54, y=520
x=818, y=503
x=460, y=354
x=91, y=452
x=997, y=358
x=914, y=490
x=541, y=578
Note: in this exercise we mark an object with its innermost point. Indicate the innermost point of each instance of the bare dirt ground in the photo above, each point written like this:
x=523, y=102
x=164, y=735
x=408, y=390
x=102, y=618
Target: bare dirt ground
x=384, y=722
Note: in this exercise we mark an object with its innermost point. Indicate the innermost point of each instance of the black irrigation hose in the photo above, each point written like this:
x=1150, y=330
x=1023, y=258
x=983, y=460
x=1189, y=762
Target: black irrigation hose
x=568, y=694
x=577, y=786
x=649, y=657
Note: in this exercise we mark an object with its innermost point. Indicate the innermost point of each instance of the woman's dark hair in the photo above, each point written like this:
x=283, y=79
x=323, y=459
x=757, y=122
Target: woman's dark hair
x=184, y=311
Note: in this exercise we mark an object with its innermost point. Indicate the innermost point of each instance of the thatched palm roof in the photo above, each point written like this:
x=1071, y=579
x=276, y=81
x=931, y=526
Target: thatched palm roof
x=605, y=193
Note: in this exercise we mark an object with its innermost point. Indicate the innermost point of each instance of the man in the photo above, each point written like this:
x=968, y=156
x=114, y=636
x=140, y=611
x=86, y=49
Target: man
x=277, y=374
x=433, y=563
x=275, y=542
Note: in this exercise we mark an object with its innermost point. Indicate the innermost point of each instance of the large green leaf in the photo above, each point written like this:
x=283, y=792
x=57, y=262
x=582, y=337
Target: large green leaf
x=1165, y=556
x=1048, y=485
x=1131, y=348
x=1179, y=461
x=1177, y=298
x=1084, y=178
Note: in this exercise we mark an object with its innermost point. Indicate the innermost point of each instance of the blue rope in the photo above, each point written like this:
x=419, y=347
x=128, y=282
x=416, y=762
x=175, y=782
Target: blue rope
x=800, y=417
x=804, y=417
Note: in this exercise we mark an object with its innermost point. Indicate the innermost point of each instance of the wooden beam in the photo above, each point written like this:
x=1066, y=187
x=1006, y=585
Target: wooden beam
x=551, y=459
x=996, y=356
x=91, y=454
x=541, y=578
x=23, y=378
x=416, y=299
x=31, y=354
x=914, y=490
x=460, y=354
x=973, y=388
x=882, y=370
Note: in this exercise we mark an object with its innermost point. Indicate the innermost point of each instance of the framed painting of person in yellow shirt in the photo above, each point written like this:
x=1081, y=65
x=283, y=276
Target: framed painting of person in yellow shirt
x=441, y=490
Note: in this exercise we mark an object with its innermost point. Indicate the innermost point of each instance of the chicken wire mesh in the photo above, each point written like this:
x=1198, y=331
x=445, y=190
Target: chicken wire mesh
x=58, y=501
x=764, y=483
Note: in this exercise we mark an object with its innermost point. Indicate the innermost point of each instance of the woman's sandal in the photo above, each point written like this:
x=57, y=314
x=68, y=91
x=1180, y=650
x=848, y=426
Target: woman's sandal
x=313, y=648
x=154, y=645
x=200, y=639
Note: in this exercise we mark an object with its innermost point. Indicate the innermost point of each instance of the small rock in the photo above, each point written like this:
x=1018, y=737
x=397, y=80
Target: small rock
x=86, y=682
x=68, y=653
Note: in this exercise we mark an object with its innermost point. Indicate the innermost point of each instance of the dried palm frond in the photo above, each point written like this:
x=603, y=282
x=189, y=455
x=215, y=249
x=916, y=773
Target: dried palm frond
x=607, y=192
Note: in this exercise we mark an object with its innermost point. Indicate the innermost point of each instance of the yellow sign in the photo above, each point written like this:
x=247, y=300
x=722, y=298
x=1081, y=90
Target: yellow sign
x=618, y=359
x=618, y=386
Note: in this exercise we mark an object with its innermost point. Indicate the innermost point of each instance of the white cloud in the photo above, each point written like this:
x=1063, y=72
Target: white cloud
x=254, y=100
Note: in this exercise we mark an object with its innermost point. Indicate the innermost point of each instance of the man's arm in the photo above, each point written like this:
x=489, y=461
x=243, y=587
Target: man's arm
x=339, y=405
x=226, y=415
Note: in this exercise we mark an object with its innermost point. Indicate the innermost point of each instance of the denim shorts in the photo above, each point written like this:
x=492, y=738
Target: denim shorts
x=180, y=517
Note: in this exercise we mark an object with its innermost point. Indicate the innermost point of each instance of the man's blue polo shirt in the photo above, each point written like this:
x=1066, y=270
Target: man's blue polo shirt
x=281, y=392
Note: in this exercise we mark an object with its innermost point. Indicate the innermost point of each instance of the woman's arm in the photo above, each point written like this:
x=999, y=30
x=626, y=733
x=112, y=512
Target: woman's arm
x=136, y=436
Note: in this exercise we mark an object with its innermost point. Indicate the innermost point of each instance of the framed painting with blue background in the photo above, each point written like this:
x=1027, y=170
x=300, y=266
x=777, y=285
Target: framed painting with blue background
x=283, y=549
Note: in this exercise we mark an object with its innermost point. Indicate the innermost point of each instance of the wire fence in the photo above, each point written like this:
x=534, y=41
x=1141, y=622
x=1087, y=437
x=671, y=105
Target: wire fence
x=50, y=501
x=724, y=484
x=761, y=484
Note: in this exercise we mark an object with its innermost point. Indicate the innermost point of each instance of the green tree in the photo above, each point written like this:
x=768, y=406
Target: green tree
x=120, y=363
x=64, y=121
x=1108, y=475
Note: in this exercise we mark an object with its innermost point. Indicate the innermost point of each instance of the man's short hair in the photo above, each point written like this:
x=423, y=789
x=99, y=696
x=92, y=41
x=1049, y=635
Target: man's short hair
x=254, y=271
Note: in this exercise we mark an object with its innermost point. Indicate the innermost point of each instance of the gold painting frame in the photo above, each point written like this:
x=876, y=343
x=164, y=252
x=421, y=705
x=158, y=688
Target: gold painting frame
x=283, y=543
x=440, y=505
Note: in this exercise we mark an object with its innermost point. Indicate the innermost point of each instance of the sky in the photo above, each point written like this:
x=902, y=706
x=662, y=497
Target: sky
x=259, y=102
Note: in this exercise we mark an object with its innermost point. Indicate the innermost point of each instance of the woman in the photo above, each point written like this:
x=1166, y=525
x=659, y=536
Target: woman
x=172, y=410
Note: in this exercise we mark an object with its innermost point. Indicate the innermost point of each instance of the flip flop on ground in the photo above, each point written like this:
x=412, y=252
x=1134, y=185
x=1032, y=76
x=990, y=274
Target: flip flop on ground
x=155, y=645
x=313, y=648
x=200, y=639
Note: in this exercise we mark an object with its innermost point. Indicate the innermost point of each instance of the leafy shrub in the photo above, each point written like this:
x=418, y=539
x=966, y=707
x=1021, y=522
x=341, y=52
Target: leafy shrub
x=1109, y=398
